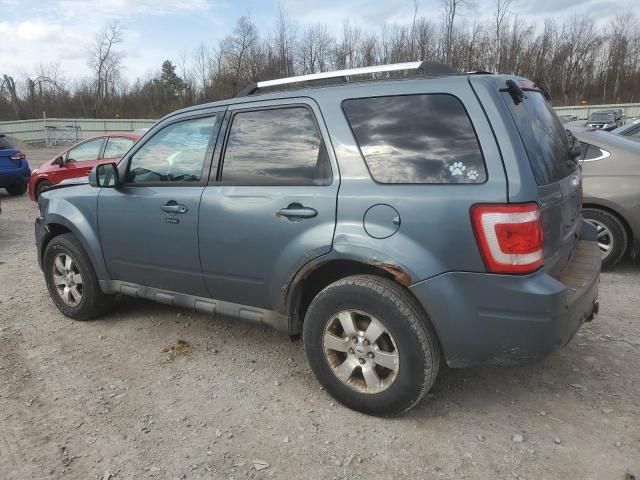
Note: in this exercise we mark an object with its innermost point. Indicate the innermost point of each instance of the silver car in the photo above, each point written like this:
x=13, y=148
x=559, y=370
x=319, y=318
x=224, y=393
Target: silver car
x=611, y=183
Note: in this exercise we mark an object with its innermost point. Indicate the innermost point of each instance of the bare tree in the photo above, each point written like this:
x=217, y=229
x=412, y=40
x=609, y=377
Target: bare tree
x=284, y=43
x=501, y=11
x=10, y=84
x=451, y=9
x=237, y=47
x=105, y=61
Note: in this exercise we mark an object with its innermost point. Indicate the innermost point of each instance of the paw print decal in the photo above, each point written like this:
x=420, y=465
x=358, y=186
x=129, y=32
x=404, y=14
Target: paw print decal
x=457, y=169
x=473, y=174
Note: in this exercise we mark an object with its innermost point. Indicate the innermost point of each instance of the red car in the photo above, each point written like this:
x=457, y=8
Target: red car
x=79, y=159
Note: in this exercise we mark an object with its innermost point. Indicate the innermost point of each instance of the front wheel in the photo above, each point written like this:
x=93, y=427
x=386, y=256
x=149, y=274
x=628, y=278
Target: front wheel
x=16, y=190
x=371, y=345
x=612, y=235
x=72, y=281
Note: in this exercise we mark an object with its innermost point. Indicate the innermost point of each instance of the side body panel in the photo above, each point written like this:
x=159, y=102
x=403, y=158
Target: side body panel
x=435, y=233
x=75, y=208
x=614, y=183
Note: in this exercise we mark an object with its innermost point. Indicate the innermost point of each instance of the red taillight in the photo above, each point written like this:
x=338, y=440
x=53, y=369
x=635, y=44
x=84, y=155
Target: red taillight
x=17, y=156
x=509, y=237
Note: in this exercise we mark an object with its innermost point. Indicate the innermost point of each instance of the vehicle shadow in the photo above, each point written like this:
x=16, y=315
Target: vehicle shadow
x=479, y=389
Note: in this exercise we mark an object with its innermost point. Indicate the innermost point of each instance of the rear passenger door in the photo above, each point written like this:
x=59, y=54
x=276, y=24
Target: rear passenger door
x=272, y=205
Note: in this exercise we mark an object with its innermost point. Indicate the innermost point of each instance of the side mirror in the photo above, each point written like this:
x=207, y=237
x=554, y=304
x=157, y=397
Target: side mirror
x=59, y=161
x=104, y=175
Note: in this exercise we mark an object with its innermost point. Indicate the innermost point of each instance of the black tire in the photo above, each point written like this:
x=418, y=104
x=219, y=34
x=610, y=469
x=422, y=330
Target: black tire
x=618, y=237
x=16, y=190
x=42, y=186
x=93, y=301
x=406, y=322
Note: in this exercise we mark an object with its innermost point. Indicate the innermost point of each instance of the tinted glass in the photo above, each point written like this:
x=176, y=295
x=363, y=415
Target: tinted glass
x=279, y=146
x=117, y=146
x=6, y=144
x=85, y=151
x=174, y=154
x=416, y=139
x=593, y=153
x=601, y=117
x=543, y=136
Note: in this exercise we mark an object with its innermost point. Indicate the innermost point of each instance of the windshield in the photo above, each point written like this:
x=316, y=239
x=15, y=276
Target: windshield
x=601, y=117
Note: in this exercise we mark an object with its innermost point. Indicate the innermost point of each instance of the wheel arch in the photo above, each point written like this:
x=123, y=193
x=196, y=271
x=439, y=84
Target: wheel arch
x=619, y=216
x=56, y=225
x=37, y=184
x=316, y=275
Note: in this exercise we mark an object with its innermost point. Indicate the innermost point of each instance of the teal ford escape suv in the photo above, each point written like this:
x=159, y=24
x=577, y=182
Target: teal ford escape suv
x=394, y=223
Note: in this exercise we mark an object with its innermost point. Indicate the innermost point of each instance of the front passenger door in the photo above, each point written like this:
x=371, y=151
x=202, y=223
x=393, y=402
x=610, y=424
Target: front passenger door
x=149, y=225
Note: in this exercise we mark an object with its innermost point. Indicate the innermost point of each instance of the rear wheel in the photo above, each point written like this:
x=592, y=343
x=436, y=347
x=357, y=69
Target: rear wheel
x=42, y=186
x=370, y=345
x=72, y=281
x=17, y=189
x=612, y=235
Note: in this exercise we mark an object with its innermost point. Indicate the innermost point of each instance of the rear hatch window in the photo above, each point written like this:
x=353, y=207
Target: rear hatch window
x=556, y=173
x=6, y=143
x=543, y=135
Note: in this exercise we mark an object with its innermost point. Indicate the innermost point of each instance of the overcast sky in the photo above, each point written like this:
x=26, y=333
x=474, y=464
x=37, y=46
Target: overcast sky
x=35, y=31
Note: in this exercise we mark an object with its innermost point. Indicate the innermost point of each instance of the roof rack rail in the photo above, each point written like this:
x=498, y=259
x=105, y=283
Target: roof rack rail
x=426, y=68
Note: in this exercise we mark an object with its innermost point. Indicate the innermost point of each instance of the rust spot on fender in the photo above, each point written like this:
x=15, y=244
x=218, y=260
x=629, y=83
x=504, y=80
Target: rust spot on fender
x=399, y=273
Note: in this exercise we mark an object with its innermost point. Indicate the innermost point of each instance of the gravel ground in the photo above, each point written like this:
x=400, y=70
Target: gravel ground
x=110, y=399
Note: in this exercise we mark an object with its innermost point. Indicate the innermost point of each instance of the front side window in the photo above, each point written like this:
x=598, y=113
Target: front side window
x=174, y=154
x=280, y=146
x=85, y=151
x=416, y=139
x=117, y=146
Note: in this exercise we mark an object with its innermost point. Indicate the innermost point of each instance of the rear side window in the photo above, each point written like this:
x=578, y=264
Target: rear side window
x=6, y=144
x=543, y=136
x=416, y=139
x=280, y=146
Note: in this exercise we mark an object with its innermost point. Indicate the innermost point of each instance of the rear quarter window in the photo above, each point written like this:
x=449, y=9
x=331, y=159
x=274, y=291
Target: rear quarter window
x=544, y=137
x=424, y=139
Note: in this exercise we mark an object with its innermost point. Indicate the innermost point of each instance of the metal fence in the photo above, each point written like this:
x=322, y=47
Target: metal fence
x=65, y=131
x=631, y=110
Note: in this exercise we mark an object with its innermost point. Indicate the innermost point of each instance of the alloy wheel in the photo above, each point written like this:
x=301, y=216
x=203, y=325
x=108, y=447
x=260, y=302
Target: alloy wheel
x=67, y=279
x=605, y=238
x=361, y=352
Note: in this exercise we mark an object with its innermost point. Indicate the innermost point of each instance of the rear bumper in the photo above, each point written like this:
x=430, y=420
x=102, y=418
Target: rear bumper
x=15, y=176
x=484, y=318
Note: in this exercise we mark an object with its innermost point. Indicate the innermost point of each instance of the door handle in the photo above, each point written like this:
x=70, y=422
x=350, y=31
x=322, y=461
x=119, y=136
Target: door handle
x=173, y=207
x=296, y=212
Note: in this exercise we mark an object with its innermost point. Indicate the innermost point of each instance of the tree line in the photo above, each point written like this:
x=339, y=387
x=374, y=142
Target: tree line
x=575, y=60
